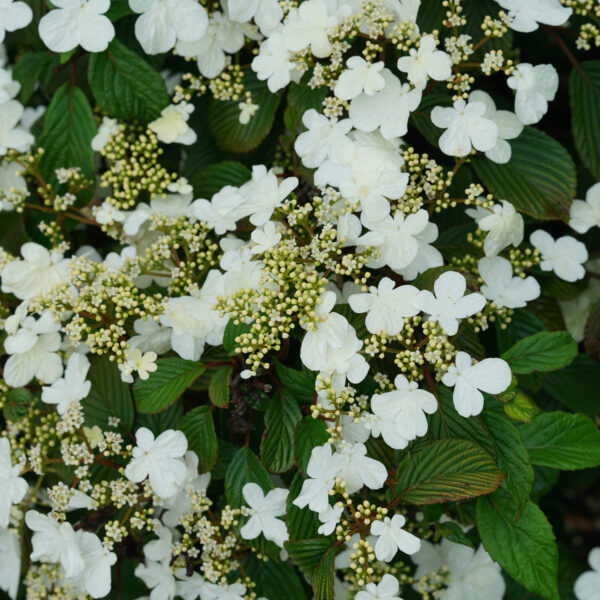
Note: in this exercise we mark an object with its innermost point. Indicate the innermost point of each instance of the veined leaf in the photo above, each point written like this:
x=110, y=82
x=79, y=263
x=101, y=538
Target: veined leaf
x=309, y=434
x=307, y=554
x=172, y=377
x=446, y=471
x=323, y=577
x=218, y=388
x=301, y=384
x=199, y=430
x=544, y=351
x=244, y=468
x=215, y=177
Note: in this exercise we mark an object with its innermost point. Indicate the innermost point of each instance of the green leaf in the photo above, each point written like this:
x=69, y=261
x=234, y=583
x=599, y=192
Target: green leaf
x=108, y=397
x=16, y=404
x=584, y=89
x=446, y=471
x=172, y=377
x=232, y=331
x=309, y=434
x=323, y=577
x=69, y=127
x=118, y=9
x=512, y=455
x=302, y=523
x=519, y=407
x=230, y=134
x=307, y=554
x=544, y=351
x=300, y=384
x=199, y=430
x=539, y=179
x=277, y=445
x=215, y=177
x=421, y=118
x=577, y=386
x=562, y=440
x=525, y=549
x=167, y=419
x=244, y=468
x=125, y=85
x=279, y=580
x=218, y=388
x=29, y=70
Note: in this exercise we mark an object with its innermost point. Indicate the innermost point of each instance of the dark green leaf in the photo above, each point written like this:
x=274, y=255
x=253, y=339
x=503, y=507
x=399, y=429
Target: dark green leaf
x=172, y=377
x=309, y=434
x=302, y=523
x=544, y=351
x=323, y=577
x=16, y=404
x=562, y=440
x=307, y=554
x=218, y=388
x=232, y=331
x=277, y=446
x=301, y=384
x=215, y=177
x=526, y=548
x=29, y=69
x=199, y=430
x=244, y=468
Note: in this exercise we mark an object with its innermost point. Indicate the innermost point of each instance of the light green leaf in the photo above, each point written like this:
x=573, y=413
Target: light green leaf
x=125, y=85
x=584, y=89
x=524, y=548
x=539, y=179
x=244, y=468
x=562, y=440
x=447, y=471
x=199, y=430
x=69, y=127
x=218, y=388
x=544, y=351
x=519, y=407
x=172, y=377
x=108, y=397
x=277, y=445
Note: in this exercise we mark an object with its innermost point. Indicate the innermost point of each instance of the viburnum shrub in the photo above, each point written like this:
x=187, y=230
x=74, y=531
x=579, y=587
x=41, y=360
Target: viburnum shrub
x=300, y=299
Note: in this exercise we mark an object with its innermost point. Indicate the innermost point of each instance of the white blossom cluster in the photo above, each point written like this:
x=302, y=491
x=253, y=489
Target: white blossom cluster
x=358, y=247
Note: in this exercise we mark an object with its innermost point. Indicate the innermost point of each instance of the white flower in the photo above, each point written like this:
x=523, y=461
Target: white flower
x=466, y=128
x=33, y=348
x=96, y=575
x=449, y=304
x=264, y=193
x=509, y=126
x=222, y=35
x=234, y=591
x=504, y=223
x=151, y=336
x=54, y=542
x=13, y=487
x=274, y=63
x=10, y=562
x=158, y=459
x=472, y=574
x=144, y=364
x=323, y=139
x=502, y=288
x=322, y=468
x=307, y=27
x=223, y=211
x=425, y=62
x=107, y=213
x=386, y=305
x=107, y=128
x=358, y=469
x=77, y=23
x=387, y=589
x=329, y=518
x=247, y=111
x=181, y=187
x=565, y=256
x=163, y=22
x=587, y=585
x=584, y=214
x=13, y=16
x=172, y=126
x=399, y=416
x=267, y=14
x=265, y=238
x=190, y=588
x=360, y=77
x=12, y=136
x=12, y=185
x=36, y=274
x=158, y=577
x=387, y=109
x=393, y=538
x=8, y=87
x=73, y=387
x=396, y=238
x=491, y=375
x=525, y=16
x=264, y=511
x=534, y=87
x=427, y=256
